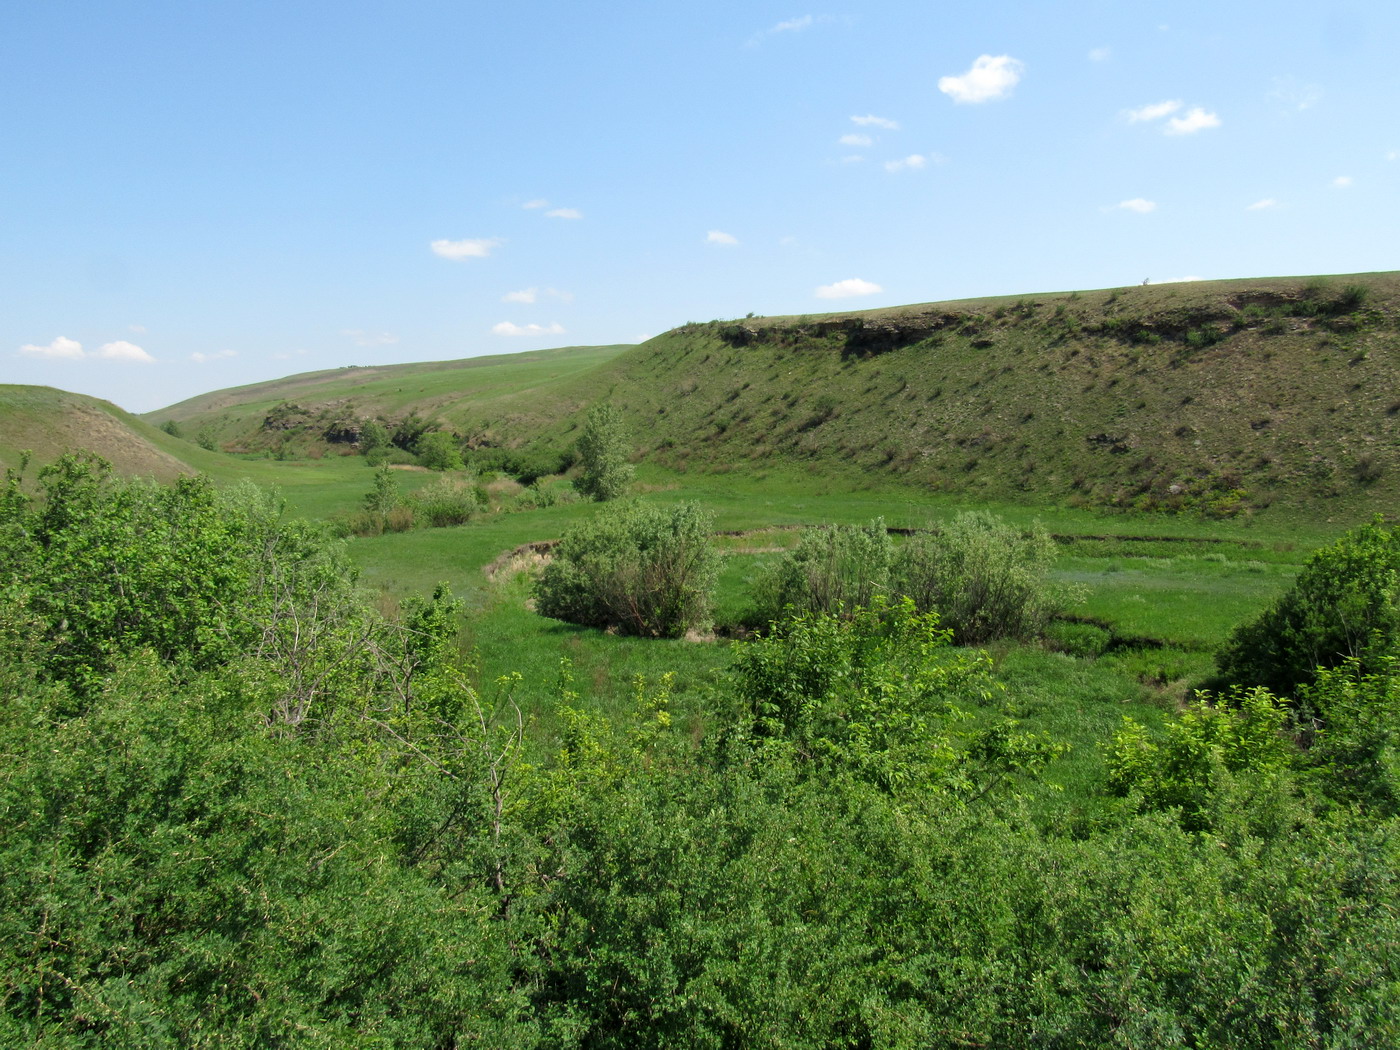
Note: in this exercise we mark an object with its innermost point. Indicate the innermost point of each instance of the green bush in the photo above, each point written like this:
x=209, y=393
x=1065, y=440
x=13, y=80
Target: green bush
x=642, y=570
x=438, y=451
x=1342, y=606
x=447, y=501
x=985, y=578
x=603, y=451
x=833, y=569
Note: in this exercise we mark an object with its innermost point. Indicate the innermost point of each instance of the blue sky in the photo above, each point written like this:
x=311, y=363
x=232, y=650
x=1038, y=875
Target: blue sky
x=200, y=195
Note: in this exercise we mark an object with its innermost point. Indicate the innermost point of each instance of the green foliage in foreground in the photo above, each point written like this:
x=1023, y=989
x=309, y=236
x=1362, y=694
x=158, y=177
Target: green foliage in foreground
x=641, y=569
x=1345, y=605
x=330, y=836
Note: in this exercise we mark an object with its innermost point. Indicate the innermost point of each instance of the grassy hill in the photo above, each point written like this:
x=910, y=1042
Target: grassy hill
x=1214, y=396
x=48, y=422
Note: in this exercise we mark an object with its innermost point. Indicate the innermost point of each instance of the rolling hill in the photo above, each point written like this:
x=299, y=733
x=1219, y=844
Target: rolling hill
x=1213, y=396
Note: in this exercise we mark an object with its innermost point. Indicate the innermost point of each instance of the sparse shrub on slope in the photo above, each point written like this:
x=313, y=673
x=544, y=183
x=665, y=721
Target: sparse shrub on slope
x=984, y=578
x=1341, y=607
x=447, y=501
x=833, y=569
x=643, y=570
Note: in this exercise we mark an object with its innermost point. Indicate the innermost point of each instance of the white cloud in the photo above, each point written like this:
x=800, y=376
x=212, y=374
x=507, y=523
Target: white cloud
x=870, y=120
x=1153, y=111
x=200, y=358
x=720, y=237
x=1137, y=204
x=137, y=329
x=1100, y=54
x=61, y=348
x=847, y=289
x=525, y=295
x=471, y=248
x=1342, y=182
x=507, y=328
x=1263, y=205
x=363, y=338
x=1393, y=155
x=991, y=77
x=914, y=162
x=1195, y=119
x=121, y=350
x=538, y=202
x=564, y=213
x=856, y=140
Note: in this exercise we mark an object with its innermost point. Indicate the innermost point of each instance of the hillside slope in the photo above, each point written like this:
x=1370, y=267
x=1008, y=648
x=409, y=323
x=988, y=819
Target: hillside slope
x=48, y=422
x=1214, y=396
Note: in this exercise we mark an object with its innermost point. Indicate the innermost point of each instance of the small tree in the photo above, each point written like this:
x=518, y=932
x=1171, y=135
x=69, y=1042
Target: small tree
x=603, y=450
x=384, y=497
x=643, y=570
x=373, y=437
x=438, y=451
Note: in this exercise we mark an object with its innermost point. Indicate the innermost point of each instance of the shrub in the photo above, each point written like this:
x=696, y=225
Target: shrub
x=642, y=570
x=833, y=569
x=1342, y=606
x=985, y=578
x=602, y=448
x=447, y=501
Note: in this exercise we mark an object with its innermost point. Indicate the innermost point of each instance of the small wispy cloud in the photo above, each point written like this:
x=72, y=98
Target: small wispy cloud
x=913, y=162
x=858, y=141
x=1152, y=111
x=471, y=248
x=1135, y=204
x=991, y=77
x=364, y=338
x=870, y=120
x=1100, y=54
x=847, y=289
x=1295, y=94
x=790, y=25
x=538, y=202
x=1343, y=182
x=1193, y=120
x=218, y=355
x=121, y=350
x=507, y=328
x=525, y=295
x=136, y=329
x=1393, y=154
x=62, y=348
x=1262, y=205
x=720, y=237
x=563, y=213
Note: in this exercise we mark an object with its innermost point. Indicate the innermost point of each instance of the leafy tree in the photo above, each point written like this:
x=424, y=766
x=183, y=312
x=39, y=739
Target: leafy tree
x=603, y=450
x=172, y=428
x=438, y=451
x=374, y=437
x=411, y=430
x=1343, y=606
x=985, y=578
x=207, y=438
x=640, y=569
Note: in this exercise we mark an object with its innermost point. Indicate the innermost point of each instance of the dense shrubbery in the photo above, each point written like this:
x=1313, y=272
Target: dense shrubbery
x=986, y=579
x=1343, y=606
x=639, y=569
x=281, y=819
